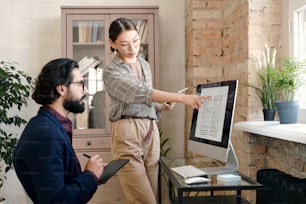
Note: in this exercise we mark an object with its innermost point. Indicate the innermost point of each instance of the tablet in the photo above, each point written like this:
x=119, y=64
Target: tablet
x=111, y=169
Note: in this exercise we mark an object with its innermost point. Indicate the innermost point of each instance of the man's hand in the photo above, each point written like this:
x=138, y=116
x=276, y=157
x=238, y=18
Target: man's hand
x=95, y=165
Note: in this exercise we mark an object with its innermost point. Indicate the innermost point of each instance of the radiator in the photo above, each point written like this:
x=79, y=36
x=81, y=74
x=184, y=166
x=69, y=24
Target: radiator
x=280, y=188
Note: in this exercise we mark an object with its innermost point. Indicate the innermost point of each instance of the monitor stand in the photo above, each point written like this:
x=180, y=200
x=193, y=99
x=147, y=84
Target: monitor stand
x=231, y=165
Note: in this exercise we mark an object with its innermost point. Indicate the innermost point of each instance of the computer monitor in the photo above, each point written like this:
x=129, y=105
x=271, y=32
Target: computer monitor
x=211, y=126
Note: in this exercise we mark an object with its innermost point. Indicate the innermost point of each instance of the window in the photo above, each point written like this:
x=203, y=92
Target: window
x=299, y=44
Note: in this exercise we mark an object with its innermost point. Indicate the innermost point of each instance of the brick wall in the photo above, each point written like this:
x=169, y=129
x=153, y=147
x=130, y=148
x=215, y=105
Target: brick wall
x=221, y=39
x=217, y=47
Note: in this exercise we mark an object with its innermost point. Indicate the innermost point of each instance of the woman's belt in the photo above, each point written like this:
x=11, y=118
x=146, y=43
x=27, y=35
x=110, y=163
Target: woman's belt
x=134, y=117
x=149, y=134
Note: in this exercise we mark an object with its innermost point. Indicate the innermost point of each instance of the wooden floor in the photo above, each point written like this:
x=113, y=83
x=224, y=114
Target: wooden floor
x=110, y=193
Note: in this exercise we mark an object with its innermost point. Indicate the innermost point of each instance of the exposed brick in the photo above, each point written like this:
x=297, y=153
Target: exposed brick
x=299, y=164
x=198, y=4
x=215, y=43
x=214, y=60
x=199, y=60
x=199, y=25
x=214, y=4
x=259, y=149
x=206, y=14
x=200, y=34
x=208, y=72
x=215, y=25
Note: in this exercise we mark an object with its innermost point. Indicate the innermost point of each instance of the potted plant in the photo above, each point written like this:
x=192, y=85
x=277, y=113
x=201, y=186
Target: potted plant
x=15, y=88
x=289, y=78
x=265, y=83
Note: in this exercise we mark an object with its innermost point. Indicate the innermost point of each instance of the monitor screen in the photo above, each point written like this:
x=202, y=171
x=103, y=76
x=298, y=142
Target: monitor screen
x=211, y=124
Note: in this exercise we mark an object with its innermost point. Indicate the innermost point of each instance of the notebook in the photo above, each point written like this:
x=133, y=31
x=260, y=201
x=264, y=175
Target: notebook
x=111, y=169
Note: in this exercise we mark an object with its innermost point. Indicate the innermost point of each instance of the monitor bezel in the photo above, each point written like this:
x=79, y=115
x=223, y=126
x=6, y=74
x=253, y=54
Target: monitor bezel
x=215, y=149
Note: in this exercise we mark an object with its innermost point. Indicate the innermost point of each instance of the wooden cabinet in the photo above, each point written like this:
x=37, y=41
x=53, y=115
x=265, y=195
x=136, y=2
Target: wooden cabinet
x=85, y=39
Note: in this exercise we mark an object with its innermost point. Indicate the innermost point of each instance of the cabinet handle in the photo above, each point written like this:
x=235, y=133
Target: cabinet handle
x=88, y=143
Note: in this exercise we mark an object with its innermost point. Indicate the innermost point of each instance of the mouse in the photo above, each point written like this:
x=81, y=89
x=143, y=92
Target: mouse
x=198, y=179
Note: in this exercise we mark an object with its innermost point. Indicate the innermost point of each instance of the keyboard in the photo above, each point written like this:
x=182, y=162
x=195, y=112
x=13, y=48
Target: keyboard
x=188, y=171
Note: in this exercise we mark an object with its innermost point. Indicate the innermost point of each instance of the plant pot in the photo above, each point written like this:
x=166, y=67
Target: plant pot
x=287, y=112
x=269, y=114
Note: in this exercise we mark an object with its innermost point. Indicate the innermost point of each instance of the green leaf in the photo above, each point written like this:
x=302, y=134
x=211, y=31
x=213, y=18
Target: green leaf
x=15, y=88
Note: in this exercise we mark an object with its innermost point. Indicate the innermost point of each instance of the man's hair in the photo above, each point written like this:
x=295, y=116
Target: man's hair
x=54, y=73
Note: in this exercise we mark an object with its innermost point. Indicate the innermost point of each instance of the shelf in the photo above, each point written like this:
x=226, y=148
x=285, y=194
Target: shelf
x=228, y=199
x=89, y=43
x=289, y=132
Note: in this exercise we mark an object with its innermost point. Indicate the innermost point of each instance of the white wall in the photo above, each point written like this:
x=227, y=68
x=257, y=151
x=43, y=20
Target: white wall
x=31, y=36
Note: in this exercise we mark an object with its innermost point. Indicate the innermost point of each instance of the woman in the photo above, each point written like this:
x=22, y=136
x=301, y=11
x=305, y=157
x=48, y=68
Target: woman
x=134, y=109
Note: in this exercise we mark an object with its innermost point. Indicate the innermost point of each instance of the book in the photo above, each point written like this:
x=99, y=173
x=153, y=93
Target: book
x=85, y=32
x=92, y=81
x=141, y=29
x=145, y=33
x=138, y=25
x=94, y=37
x=99, y=79
x=82, y=32
x=88, y=32
x=85, y=63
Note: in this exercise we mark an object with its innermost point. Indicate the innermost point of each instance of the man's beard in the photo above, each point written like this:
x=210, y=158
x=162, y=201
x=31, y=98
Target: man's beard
x=74, y=106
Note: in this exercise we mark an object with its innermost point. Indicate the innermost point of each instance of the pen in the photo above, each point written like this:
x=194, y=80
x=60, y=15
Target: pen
x=182, y=90
x=86, y=155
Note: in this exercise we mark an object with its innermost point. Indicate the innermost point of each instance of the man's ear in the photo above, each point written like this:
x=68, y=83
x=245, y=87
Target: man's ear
x=61, y=89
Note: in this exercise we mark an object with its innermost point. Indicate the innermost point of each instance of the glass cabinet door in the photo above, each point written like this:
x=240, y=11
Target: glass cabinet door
x=88, y=48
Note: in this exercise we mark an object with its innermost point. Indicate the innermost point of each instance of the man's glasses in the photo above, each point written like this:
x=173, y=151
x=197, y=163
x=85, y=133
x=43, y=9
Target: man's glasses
x=82, y=83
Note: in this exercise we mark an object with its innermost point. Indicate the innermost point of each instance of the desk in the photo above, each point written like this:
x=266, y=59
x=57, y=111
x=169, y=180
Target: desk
x=177, y=186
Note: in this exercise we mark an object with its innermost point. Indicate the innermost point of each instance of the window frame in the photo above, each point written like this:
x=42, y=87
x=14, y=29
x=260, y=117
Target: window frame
x=297, y=40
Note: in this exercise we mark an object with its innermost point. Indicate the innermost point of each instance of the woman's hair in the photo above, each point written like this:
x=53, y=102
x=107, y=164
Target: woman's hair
x=118, y=26
x=54, y=73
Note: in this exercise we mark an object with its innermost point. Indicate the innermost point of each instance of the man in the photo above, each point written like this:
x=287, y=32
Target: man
x=44, y=159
